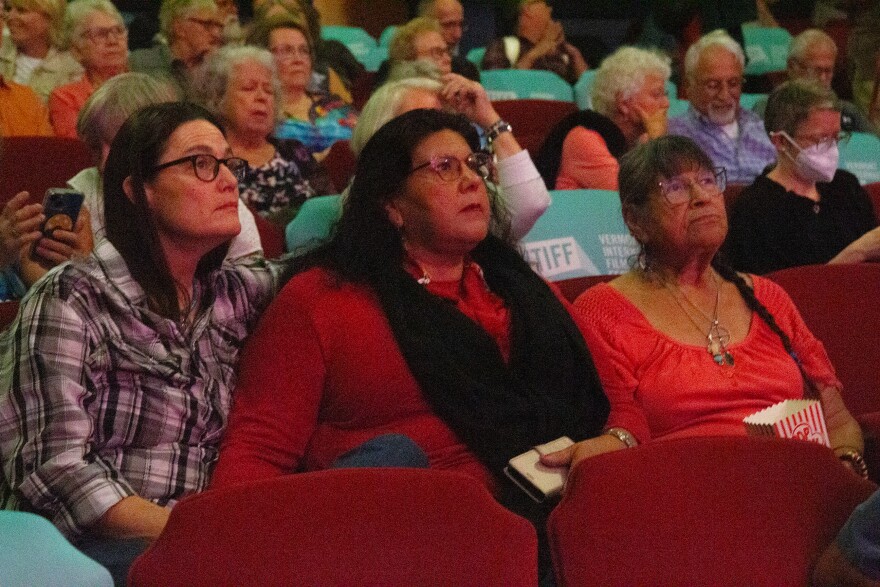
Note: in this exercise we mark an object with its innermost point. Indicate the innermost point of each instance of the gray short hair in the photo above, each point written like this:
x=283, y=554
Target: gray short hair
x=802, y=43
x=212, y=84
x=172, y=10
x=401, y=47
x=790, y=104
x=382, y=107
x=718, y=37
x=623, y=74
x=114, y=101
x=79, y=10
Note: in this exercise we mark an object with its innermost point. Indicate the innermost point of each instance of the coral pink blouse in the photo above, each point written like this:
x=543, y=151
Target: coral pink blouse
x=660, y=388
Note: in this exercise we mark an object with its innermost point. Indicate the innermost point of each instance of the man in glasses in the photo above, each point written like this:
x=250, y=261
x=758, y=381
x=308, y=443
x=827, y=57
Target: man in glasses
x=812, y=56
x=192, y=30
x=733, y=137
x=450, y=15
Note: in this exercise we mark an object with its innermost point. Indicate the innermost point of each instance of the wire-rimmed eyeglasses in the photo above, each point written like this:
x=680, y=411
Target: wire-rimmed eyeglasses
x=677, y=190
x=449, y=167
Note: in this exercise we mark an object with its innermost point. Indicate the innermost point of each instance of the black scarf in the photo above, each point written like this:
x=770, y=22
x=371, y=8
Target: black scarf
x=549, y=388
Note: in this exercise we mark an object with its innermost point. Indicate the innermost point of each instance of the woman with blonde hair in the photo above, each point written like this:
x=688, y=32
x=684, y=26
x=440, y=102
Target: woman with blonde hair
x=31, y=55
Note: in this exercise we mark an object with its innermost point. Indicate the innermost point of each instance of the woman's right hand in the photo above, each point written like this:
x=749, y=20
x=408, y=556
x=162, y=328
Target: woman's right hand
x=19, y=226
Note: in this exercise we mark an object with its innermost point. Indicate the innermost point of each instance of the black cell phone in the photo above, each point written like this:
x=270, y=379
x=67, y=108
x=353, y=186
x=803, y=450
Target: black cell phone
x=61, y=208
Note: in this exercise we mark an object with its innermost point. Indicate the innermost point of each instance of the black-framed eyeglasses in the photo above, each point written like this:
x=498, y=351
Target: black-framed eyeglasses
x=206, y=167
x=677, y=190
x=449, y=167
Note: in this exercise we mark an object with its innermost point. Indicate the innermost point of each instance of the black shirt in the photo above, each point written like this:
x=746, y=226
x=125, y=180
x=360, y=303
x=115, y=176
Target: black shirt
x=772, y=228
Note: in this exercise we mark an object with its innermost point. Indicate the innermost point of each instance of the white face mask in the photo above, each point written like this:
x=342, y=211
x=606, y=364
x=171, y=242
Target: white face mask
x=815, y=163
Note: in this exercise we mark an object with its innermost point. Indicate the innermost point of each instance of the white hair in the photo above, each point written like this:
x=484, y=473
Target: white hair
x=717, y=38
x=810, y=37
x=77, y=13
x=382, y=107
x=622, y=75
x=213, y=81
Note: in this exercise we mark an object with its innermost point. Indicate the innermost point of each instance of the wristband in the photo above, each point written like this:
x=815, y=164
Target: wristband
x=856, y=461
x=496, y=129
x=624, y=436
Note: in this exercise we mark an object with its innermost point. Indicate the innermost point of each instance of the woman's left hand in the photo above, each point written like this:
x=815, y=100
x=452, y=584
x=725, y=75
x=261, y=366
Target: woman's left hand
x=469, y=98
x=579, y=451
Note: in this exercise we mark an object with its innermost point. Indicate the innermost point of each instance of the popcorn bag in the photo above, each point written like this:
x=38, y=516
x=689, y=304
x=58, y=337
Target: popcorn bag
x=800, y=419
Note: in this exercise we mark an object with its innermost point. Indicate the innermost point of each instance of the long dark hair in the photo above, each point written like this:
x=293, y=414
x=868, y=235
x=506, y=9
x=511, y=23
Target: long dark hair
x=366, y=243
x=550, y=156
x=130, y=225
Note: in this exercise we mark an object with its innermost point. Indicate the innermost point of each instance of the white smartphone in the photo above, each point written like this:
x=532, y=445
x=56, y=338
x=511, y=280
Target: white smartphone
x=540, y=482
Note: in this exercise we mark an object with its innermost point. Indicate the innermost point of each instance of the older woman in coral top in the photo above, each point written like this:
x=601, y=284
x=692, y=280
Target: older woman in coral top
x=97, y=37
x=684, y=345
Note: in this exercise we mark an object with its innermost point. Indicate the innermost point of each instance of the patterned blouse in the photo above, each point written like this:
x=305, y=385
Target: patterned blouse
x=277, y=189
x=331, y=119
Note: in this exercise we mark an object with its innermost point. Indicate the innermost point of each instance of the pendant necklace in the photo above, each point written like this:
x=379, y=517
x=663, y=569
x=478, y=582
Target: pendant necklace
x=717, y=336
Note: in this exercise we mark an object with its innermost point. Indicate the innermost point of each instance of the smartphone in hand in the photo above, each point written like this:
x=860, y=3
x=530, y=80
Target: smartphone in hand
x=61, y=208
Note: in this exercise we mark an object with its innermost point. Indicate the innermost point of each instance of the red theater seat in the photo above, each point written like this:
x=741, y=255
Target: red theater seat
x=271, y=237
x=702, y=511
x=533, y=119
x=572, y=288
x=343, y=527
x=35, y=164
x=873, y=190
x=340, y=164
x=839, y=303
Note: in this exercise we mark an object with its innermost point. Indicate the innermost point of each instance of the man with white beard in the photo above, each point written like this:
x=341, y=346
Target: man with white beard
x=732, y=136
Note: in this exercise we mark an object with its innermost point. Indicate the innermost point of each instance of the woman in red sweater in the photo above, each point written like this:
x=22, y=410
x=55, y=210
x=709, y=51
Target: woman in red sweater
x=415, y=319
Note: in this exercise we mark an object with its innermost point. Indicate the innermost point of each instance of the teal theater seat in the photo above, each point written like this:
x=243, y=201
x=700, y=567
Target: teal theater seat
x=535, y=84
x=860, y=155
x=313, y=224
x=34, y=553
x=766, y=48
x=358, y=41
x=581, y=234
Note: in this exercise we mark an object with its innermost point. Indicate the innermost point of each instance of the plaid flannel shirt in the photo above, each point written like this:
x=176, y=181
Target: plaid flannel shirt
x=101, y=398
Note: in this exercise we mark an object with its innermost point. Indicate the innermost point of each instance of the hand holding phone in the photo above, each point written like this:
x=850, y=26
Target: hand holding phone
x=61, y=208
x=539, y=481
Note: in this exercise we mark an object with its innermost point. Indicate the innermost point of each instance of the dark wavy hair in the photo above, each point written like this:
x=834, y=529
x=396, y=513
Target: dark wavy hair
x=130, y=225
x=365, y=242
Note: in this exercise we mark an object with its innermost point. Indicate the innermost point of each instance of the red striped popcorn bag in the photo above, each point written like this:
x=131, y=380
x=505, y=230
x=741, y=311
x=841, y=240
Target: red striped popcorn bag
x=801, y=419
